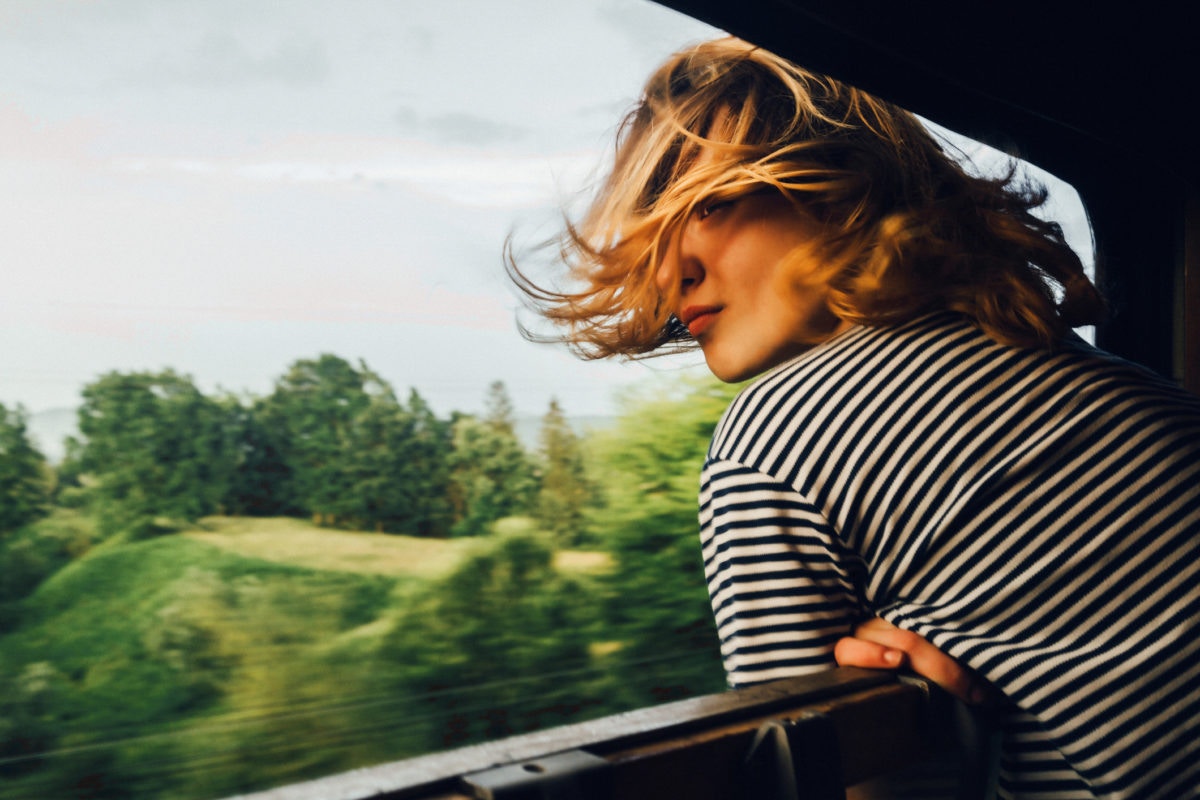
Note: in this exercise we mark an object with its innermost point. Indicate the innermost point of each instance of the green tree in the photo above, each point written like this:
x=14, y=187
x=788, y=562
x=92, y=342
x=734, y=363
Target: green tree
x=261, y=482
x=566, y=492
x=498, y=409
x=309, y=418
x=68, y=476
x=334, y=442
x=499, y=647
x=399, y=457
x=155, y=446
x=656, y=600
x=492, y=476
x=24, y=481
x=428, y=450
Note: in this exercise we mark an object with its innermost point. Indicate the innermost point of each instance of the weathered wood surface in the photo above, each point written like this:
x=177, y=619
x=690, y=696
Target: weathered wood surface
x=690, y=748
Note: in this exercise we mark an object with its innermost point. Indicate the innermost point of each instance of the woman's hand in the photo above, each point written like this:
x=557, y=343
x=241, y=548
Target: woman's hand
x=878, y=644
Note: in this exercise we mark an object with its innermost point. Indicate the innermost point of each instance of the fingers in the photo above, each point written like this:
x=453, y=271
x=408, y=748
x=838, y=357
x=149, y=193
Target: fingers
x=876, y=643
x=852, y=652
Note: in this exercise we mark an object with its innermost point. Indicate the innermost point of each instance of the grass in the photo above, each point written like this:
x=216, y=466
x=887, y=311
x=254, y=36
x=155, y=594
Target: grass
x=297, y=542
x=148, y=645
x=239, y=637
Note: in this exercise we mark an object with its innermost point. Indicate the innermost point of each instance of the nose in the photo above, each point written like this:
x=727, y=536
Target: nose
x=681, y=265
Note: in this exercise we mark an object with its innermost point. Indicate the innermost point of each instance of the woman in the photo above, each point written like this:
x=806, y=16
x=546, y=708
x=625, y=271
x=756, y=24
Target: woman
x=931, y=471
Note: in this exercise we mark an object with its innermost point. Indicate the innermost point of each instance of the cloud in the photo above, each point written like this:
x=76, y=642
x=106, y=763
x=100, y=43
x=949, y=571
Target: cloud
x=467, y=176
x=459, y=128
x=221, y=59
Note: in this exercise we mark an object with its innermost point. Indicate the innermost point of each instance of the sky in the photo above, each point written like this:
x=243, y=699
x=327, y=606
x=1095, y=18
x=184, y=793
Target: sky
x=222, y=187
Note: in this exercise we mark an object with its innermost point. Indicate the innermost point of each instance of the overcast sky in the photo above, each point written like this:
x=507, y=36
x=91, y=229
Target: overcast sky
x=222, y=187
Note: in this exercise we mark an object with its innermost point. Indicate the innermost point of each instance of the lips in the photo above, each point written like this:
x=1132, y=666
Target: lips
x=699, y=318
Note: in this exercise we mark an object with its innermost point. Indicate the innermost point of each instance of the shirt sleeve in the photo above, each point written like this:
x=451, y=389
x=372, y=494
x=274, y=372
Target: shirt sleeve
x=783, y=587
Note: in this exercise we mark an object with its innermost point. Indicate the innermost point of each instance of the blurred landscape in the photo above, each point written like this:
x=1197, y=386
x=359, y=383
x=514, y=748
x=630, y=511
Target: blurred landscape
x=211, y=595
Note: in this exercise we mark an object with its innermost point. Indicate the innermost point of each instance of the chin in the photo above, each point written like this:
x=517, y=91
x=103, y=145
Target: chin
x=743, y=369
x=733, y=373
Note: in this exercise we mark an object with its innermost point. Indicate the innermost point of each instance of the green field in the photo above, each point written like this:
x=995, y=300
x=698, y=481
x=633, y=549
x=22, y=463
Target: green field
x=285, y=540
x=243, y=653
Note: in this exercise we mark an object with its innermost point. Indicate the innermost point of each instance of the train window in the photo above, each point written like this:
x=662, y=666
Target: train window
x=294, y=497
x=1063, y=204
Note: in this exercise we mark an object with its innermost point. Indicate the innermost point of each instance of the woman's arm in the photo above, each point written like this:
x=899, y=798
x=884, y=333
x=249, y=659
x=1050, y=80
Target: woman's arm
x=783, y=588
x=878, y=644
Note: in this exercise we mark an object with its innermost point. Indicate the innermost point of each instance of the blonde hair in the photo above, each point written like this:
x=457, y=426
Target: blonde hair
x=905, y=230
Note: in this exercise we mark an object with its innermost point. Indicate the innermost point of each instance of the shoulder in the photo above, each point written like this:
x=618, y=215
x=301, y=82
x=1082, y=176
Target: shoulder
x=921, y=375
x=832, y=378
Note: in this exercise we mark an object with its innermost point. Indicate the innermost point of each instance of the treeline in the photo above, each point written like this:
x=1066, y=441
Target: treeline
x=332, y=442
x=25, y=478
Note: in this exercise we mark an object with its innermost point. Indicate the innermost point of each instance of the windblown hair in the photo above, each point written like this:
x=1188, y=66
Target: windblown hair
x=904, y=229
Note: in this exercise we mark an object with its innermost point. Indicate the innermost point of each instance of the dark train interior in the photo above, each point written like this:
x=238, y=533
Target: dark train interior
x=1097, y=98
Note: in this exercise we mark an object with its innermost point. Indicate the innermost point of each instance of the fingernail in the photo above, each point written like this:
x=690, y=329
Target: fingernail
x=892, y=657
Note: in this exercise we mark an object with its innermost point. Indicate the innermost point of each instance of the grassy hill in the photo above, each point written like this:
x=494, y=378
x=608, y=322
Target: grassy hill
x=175, y=652
x=285, y=540
x=239, y=654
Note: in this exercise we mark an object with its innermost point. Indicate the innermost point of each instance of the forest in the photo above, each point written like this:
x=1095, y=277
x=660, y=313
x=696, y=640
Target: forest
x=212, y=595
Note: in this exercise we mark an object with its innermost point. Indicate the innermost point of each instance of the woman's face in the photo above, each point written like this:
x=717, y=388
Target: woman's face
x=736, y=264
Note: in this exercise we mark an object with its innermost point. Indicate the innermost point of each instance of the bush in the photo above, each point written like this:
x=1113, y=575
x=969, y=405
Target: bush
x=37, y=551
x=27, y=717
x=499, y=647
x=24, y=475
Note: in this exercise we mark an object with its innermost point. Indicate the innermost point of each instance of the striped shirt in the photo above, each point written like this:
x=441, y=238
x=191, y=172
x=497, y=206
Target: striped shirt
x=1034, y=514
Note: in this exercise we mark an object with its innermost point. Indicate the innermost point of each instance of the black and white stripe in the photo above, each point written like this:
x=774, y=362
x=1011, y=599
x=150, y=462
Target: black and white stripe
x=1034, y=514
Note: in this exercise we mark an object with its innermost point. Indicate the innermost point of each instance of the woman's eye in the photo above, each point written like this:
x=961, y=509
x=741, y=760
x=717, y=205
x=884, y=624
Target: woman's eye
x=711, y=207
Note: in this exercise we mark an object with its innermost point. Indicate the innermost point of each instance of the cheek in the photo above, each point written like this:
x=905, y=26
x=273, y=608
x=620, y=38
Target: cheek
x=800, y=310
x=800, y=266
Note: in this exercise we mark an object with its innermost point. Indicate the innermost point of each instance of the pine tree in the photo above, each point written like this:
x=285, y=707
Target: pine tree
x=565, y=490
x=24, y=484
x=492, y=476
x=428, y=454
x=399, y=455
x=498, y=409
x=352, y=454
